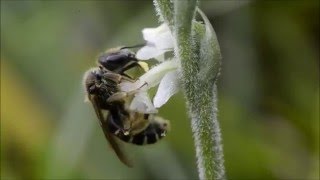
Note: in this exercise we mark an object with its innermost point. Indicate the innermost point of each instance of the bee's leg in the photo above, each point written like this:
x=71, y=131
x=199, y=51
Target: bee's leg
x=113, y=77
x=136, y=122
x=117, y=78
x=129, y=67
x=139, y=123
x=127, y=76
x=116, y=123
x=144, y=66
x=118, y=96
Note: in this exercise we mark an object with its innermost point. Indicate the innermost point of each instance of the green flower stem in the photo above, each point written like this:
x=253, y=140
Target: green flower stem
x=198, y=51
x=200, y=89
x=200, y=93
x=164, y=9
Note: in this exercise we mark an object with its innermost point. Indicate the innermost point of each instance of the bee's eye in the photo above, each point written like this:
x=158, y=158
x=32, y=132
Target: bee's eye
x=92, y=89
x=99, y=77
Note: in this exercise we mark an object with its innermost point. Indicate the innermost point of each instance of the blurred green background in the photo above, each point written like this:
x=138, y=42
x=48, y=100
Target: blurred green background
x=268, y=91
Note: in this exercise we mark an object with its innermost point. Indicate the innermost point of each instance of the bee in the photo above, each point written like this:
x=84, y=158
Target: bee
x=111, y=105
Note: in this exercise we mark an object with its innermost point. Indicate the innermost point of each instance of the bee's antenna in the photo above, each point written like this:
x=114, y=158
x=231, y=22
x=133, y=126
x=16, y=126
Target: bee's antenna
x=134, y=46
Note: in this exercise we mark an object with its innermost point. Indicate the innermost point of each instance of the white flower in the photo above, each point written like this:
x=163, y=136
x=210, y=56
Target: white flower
x=142, y=103
x=159, y=40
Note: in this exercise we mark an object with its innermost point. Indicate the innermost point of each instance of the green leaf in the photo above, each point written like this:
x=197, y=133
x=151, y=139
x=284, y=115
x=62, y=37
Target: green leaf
x=210, y=55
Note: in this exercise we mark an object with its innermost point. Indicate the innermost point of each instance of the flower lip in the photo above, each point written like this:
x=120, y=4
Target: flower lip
x=152, y=77
x=168, y=86
x=165, y=75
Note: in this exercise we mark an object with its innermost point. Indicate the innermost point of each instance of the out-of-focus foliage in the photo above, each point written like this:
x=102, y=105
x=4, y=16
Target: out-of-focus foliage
x=268, y=91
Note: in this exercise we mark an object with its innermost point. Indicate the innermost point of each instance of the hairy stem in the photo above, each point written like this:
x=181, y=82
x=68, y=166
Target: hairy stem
x=164, y=9
x=200, y=90
x=198, y=51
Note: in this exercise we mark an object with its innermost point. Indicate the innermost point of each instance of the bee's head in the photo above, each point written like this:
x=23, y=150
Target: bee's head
x=92, y=80
x=117, y=59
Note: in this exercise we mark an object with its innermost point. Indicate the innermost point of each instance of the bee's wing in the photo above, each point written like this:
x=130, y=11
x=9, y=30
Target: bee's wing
x=114, y=145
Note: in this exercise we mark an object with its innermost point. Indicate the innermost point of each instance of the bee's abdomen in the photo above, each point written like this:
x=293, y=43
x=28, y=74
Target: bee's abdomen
x=152, y=134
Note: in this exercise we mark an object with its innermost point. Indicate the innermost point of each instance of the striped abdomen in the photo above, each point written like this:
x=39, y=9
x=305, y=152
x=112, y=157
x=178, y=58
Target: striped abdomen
x=154, y=131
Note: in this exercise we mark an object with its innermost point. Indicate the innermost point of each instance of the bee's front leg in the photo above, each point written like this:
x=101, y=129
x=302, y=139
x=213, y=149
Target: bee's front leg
x=113, y=77
x=119, y=96
x=127, y=127
x=117, y=78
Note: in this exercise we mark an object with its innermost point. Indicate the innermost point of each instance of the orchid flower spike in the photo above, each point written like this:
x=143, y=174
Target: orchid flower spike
x=158, y=41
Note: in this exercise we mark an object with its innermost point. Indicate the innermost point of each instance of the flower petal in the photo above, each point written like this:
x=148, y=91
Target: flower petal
x=150, y=78
x=142, y=103
x=150, y=33
x=159, y=40
x=163, y=41
x=129, y=86
x=156, y=73
x=169, y=86
x=148, y=52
